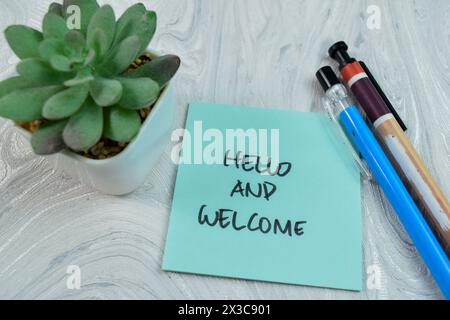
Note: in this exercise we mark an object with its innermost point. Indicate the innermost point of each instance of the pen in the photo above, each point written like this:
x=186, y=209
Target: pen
x=430, y=197
x=383, y=96
x=343, y=110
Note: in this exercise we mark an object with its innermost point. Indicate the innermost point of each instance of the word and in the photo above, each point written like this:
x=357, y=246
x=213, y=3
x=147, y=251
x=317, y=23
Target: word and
x=266, y=189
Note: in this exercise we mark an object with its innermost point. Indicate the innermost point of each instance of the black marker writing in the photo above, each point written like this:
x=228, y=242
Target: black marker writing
x=266, y=189
x=254, y=223
x=250, y=163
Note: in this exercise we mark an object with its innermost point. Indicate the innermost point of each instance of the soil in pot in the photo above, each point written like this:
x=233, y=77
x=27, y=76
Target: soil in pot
x=104, y=148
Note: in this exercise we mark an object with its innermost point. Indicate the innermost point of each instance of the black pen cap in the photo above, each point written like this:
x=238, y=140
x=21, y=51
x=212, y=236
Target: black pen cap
x=327, y=78
x=338, y=52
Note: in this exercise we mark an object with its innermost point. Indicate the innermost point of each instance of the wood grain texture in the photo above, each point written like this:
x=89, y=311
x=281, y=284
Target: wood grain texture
x=254, y=52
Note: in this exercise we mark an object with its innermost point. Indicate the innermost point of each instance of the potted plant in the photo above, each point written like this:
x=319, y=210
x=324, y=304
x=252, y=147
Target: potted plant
x=94, y=94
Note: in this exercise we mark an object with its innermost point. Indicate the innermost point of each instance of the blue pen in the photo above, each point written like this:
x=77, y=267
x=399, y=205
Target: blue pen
x=341, y=107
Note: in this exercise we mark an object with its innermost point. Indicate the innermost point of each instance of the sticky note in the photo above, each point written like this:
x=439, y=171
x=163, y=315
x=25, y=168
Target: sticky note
x=297, y=223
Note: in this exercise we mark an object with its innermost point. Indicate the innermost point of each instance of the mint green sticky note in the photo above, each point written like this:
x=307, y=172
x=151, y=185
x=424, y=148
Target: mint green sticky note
x=308, y=231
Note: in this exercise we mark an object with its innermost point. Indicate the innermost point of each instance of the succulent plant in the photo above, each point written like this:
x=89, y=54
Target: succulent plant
x=78, y=81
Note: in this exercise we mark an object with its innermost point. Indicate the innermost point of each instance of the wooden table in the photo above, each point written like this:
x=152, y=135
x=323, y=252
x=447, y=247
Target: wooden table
x=254, y=52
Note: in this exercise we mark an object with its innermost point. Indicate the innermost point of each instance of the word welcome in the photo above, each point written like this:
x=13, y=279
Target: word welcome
x=227, y=218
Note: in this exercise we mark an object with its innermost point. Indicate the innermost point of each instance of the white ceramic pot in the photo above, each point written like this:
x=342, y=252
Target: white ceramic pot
x=126, y=171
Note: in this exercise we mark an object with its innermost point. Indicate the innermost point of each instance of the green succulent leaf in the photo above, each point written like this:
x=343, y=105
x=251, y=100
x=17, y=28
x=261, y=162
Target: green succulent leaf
x=130, y=16
x=160, y=69
x=83, y=76
x=120, y=58
x=90, y=57
x=61, y=63
x=105, y=20
x=138, y=93
x=68, y=75
x=75, y=41
x=48, y=138
x=87, y=10
x=24, y=41
x=51, y=47
x=26, y=104
x=149, y=22
x=54, y=26
x=121, y=125
x=40, y=72
x=78, y=60
x=65, y=103
x=55, y=8
x=15, y=83
x=138, y=23
x=84, y=128
x=105, y=92
x=76, y=46
x=99, y=44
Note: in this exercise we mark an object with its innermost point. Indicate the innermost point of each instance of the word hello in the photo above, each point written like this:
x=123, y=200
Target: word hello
x=255, y=163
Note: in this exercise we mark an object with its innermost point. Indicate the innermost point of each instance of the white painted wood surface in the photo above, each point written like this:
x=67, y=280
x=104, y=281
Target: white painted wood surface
x=254, y=52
